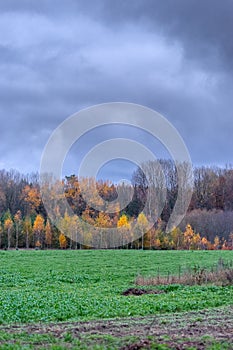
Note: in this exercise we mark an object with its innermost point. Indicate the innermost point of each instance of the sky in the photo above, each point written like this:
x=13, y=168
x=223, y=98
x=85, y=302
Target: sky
x=58, y=57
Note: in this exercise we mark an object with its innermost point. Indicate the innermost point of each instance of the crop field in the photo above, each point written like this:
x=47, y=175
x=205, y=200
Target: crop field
x=74, y=299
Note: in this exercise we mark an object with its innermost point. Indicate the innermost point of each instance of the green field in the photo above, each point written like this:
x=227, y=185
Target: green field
x=49, y=287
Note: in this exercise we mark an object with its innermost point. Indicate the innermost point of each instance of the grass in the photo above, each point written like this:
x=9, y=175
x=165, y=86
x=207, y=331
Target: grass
x=50, y=286
x=71, y=286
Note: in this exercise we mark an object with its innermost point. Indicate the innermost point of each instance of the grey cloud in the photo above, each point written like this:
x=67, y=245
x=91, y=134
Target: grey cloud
x=203, y=27
x=58, y=57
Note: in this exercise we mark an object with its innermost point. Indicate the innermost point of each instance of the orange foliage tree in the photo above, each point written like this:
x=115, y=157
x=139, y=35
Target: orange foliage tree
x=31, y=195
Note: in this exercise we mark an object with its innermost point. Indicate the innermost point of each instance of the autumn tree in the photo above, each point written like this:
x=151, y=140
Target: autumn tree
x=75, y=231
x=73, y=194
x=18, y=221
x=38, y=229
x=149, y=238
x=158, y=235
x=103, y=221
x=123, y=226
x=69, y=226
x=188, y=236
x=204, y=243
x=27, y=229
x=8, y=224
x=48, y=234
x=90, y=193
x=142, y=227
x=62, y=241
x=31, y=195
x=177, y=238
x=88, y=216
x=196, y=242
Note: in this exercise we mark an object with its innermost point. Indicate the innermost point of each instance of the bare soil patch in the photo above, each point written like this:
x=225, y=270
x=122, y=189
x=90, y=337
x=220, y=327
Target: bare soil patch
x=197, y=329
x=137, y=291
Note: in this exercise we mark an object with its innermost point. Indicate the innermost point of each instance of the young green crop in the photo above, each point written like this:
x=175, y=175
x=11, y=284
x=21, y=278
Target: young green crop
x=50, y=286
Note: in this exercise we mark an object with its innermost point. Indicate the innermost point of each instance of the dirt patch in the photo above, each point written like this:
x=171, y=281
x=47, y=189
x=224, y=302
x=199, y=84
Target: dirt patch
x=136, y=291
x=180, y=331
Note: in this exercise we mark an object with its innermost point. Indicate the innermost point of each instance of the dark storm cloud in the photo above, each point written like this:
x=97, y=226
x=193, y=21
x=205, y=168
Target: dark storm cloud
x=58, y=57
x=202, y=27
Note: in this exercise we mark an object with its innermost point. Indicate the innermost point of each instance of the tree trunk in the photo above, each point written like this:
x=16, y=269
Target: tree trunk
x=27, y=239
x=9, y=238
x=17, y=238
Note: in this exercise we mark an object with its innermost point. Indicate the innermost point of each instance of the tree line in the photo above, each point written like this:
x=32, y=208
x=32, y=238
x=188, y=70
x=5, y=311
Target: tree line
x=208, y=223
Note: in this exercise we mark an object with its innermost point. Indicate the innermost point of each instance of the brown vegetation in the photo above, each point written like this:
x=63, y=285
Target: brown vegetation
x=220, y=275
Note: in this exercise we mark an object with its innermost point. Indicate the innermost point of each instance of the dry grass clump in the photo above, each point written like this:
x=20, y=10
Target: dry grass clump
x=221, y=275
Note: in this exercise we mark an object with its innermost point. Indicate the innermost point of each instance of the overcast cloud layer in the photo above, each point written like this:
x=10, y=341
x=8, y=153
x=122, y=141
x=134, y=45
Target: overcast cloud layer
x=57, y=57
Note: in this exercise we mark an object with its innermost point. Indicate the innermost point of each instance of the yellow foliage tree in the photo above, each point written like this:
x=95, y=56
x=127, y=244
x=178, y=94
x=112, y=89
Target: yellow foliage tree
x=204, y=242
x=192, y=240
x=177, y=238
x=196, y=241
x=188, y=236
x=103, y=221
x=124, y=228
x=17, y=218
x=69, y=226
x=62, y=241
x=48, y=234
x=27, y=229
x=157, y=243
x=38, y=229
x=123, y=222
x=143, y=226
x=8, y=224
